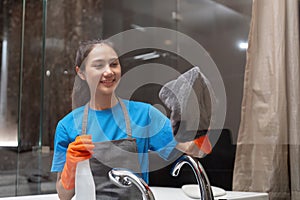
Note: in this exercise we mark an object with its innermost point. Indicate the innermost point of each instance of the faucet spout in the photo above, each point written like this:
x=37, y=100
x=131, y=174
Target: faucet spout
x=125, y=178
x=201, y=177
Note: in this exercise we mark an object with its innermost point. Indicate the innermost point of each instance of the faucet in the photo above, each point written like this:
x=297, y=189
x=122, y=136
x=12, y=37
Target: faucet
x=201, y=177
x=124, y=178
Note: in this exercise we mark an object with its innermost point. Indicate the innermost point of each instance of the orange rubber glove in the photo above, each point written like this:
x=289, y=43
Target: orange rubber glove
x=79, y=150
x=203, y=144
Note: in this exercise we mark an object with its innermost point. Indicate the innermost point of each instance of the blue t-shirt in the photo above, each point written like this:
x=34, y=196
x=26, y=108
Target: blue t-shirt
x=151, y=129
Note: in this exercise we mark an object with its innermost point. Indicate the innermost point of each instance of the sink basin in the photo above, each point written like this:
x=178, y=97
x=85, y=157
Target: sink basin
x=193, y=191
x=163, y=193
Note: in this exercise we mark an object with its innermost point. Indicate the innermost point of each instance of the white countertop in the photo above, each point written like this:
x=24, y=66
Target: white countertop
x=162, y=193
x=244, y=195
x=178, y=194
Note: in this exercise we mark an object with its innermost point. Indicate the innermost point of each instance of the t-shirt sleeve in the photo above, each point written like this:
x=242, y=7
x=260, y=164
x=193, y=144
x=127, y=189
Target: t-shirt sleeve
x=61, y=143
x=161, y=137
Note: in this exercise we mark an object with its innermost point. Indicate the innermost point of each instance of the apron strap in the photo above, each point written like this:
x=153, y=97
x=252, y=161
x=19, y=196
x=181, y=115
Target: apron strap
x=125, y=112
x=126, y=116
x=85, y=118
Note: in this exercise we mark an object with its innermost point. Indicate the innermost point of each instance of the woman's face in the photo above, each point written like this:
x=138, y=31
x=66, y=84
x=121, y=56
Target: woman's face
x=102, y=70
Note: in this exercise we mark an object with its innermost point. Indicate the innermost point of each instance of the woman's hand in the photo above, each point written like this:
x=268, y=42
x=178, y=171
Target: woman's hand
x=196, y=148
x=79, y=150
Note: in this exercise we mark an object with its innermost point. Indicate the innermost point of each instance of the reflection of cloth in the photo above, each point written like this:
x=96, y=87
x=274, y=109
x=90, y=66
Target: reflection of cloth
x=177, y=96
x=150, y=127
x=113, y=154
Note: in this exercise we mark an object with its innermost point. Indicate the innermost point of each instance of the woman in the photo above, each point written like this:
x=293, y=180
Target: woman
x=102, y=123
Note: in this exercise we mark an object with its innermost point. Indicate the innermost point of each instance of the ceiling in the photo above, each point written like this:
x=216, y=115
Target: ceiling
x=242, y=6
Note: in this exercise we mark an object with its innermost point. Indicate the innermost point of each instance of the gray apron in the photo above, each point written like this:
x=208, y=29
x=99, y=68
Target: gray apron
x=113, y=154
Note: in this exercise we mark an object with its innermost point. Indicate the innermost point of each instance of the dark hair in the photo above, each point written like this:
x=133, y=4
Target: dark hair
x=85, y=48
x=81, y=92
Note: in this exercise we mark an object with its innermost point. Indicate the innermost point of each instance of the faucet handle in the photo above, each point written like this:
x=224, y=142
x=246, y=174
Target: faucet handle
x=125, y=178
x=118, y=178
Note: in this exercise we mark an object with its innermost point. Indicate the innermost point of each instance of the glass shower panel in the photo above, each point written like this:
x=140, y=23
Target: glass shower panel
x=25, y=168
x=20, y=95
x=29, y=169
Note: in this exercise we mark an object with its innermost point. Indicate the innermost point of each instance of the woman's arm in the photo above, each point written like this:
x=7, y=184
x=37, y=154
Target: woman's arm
x=63, y=194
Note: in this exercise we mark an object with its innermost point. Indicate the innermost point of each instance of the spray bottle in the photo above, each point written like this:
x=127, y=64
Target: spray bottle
x=84, y=182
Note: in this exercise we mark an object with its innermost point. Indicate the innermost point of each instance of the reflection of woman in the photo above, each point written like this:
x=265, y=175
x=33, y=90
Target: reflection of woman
x=95, y=130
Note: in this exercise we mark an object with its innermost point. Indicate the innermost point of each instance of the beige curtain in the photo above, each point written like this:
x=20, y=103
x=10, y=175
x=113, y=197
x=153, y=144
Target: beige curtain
x=268, y=153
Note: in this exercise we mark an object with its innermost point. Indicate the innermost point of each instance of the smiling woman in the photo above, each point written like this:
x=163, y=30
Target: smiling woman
x=106, y=129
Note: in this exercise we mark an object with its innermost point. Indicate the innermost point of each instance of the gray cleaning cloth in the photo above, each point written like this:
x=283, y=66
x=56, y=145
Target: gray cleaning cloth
x=190, y=99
